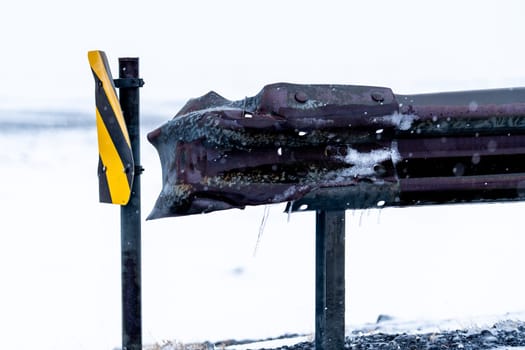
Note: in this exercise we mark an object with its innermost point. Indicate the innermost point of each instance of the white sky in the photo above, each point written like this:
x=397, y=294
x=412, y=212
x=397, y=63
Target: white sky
x=236, y=47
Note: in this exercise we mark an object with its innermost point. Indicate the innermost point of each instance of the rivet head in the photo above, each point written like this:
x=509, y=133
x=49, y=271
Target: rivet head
x=377, y=96
x=301, y=97
x=379, y=169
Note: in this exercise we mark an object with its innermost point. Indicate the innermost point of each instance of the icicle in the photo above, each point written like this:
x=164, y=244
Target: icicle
x=290, y=211
x=261, y=227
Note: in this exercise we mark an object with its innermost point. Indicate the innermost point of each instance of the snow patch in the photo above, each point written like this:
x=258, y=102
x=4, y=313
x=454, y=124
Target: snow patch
x=401, y=121
x=272, y=344
x=498, y=322
x=364, y=162
x=290, y=193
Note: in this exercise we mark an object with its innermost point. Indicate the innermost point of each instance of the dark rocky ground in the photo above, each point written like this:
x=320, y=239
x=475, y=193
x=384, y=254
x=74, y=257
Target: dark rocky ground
x=502, y=335
x=485, y=339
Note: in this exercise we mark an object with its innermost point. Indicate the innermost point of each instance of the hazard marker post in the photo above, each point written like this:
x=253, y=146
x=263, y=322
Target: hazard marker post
x=116, y=165
x=119, y=176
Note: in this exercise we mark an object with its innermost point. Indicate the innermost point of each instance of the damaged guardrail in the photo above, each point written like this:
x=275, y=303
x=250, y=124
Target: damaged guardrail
x=336, y=147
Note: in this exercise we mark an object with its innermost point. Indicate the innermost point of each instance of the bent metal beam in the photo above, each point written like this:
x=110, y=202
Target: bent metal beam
x=337, y=147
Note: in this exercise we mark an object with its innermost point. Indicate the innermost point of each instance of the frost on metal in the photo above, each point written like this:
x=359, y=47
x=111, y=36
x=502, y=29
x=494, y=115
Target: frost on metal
x=338, y=147
x=401, y=121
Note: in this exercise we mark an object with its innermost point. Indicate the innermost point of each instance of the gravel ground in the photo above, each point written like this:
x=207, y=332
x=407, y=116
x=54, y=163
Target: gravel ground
x=503, y=335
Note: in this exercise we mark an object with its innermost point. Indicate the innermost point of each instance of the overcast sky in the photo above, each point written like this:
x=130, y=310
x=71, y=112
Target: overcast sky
x=236, y=47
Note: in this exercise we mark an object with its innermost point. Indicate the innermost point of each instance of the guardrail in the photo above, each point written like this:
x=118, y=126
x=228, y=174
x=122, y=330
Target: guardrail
x=325, y=148
x=330, y=148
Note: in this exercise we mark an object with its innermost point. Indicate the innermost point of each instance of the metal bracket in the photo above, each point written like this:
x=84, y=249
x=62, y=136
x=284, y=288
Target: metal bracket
x=123, y=83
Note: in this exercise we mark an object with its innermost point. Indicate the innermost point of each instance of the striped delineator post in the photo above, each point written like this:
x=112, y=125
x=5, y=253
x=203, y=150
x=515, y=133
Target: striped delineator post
x=116, y=165
x=119, y=181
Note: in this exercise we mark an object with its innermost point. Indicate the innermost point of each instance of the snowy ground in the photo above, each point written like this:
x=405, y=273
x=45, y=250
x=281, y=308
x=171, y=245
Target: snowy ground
x=60, y=263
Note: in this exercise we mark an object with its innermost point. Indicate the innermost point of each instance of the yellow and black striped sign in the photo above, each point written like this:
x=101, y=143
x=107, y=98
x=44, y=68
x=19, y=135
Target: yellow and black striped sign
x=116, y=166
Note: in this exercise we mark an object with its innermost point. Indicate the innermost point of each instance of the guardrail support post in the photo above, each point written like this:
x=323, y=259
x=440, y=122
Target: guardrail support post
x=330, y=280
x=130, y=223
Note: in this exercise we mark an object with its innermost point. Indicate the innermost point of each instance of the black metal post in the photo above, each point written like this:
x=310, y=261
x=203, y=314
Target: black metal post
x=130, y=214
x=330, y=280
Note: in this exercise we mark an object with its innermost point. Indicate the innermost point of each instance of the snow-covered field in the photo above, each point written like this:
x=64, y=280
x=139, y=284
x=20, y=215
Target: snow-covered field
x=202, y=278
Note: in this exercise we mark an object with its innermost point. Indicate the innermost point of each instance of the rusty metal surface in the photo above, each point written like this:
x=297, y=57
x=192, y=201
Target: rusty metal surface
x=334, y=147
